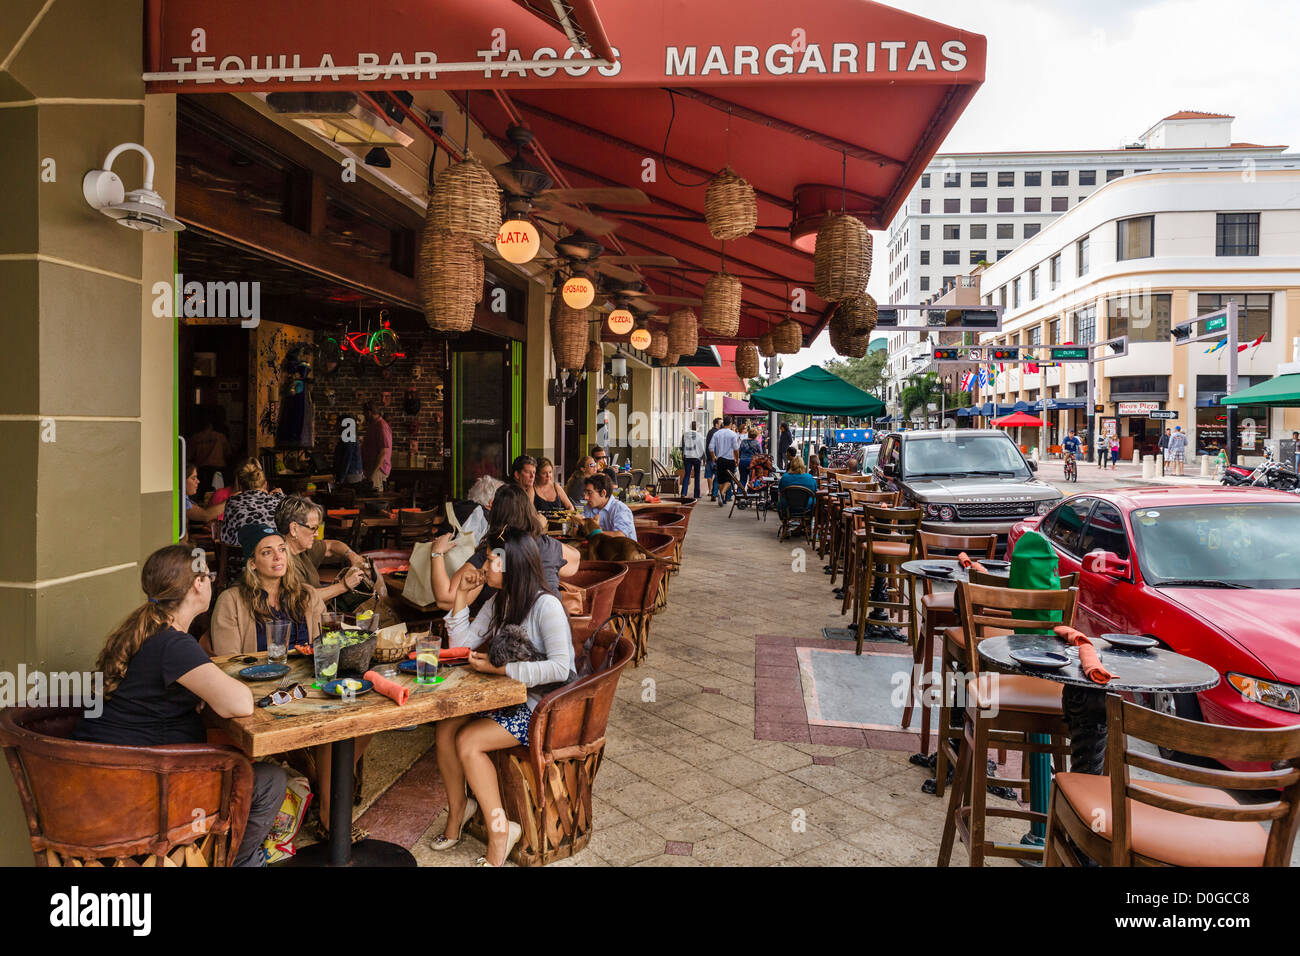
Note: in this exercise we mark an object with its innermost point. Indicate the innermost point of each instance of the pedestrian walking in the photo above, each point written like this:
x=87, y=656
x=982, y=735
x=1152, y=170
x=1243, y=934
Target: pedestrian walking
x=1164, y=450
x=1114, y=451
x=1177, y=449
x=692, y=457
x=724, y=448
x=710, y=470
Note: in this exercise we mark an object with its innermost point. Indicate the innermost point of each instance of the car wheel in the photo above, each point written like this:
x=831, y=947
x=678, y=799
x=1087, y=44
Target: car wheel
x=1185, y=706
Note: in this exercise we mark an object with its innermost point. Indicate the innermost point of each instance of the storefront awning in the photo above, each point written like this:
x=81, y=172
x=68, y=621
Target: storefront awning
x=734, y=406
x=826, y=104
x=1283, y=392
x=723, y=378
x=815, y=391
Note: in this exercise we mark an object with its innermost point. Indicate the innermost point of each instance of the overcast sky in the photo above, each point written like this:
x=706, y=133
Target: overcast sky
x=1081, y=75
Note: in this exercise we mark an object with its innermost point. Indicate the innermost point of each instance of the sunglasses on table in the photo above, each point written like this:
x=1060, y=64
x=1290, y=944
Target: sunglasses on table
x=282, y=695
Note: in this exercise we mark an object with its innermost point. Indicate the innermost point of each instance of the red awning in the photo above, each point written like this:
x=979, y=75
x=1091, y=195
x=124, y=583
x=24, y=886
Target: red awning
x=788, y=95
x=724, y=377
x=1017, y=419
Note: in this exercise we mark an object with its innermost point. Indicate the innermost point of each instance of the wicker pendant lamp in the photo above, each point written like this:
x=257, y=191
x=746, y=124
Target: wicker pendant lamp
x=746, y=361
x=730, y=207
x=672, y=358
x=466, y=201
x=595, y=358
x=720, y=313
x=569, y=335
x=847, y=343
x=683, y=332
x=766, y=347
x=788, y=337
x=449, y=273
x=658, y=347
x=842, y=259
x=858, y=315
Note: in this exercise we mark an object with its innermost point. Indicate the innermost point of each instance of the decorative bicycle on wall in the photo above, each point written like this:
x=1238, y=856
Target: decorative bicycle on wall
x=379, y=345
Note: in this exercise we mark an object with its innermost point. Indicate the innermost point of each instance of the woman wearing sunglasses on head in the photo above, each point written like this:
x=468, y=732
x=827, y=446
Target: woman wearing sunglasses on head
x=514, y=570
x=156, y=676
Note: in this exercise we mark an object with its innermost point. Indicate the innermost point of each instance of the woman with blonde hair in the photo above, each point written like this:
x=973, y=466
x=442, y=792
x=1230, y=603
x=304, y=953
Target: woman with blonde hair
x=252, y=505
x=586, y=468
x=156, y=677
x=547, y=493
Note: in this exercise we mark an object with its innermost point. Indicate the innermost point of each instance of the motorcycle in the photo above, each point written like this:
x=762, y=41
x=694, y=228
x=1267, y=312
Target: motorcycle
x=1267, y=474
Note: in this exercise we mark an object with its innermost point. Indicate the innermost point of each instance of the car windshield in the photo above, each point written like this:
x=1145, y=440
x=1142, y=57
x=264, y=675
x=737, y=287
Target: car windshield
x=957, y=454
x=869, y=455
x=1233, y=545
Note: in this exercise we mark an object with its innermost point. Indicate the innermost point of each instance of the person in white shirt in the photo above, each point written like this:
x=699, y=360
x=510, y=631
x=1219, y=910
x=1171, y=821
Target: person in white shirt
x=692, y=455
x=725, y=448
x=464, y=744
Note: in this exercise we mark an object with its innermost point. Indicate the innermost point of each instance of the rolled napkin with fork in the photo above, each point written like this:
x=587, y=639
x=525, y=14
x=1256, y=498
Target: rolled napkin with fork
x=967, y=562
x=398, y=693
x=1089, y=660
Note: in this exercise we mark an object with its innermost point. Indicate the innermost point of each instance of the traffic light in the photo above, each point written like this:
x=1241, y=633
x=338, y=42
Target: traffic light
x=1005, y=354
x=947, y=355
x=886, y=318
x=980, y=318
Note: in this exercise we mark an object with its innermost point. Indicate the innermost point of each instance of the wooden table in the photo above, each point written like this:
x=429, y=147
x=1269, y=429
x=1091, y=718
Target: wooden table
x=318, y=719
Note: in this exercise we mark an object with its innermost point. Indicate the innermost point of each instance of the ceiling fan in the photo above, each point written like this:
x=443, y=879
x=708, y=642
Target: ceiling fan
x=580, y=254
x=529, y=189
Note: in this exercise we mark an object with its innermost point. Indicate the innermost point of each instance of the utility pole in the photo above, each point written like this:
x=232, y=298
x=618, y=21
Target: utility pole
x=1232, y=381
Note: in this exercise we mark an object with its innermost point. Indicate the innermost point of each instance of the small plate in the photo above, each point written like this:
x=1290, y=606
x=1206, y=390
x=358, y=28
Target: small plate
x=260, y=672
x=942, y=569
x=334, y=688
x=406, y=667
x=1134, y=642
x=1046, y=661
x=995, y=565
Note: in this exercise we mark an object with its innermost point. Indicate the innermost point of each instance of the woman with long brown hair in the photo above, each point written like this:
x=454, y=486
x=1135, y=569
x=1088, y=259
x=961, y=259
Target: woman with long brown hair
x=156, y=677
x=586, y=468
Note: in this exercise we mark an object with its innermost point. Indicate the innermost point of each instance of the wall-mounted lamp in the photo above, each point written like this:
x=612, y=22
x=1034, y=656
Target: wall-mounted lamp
x=141, y=209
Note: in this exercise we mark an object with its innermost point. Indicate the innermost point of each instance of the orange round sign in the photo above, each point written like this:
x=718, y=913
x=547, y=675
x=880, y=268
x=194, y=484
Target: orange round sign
x=578, y=292
x=518, y=241
x=621, y=321
x=640, y=339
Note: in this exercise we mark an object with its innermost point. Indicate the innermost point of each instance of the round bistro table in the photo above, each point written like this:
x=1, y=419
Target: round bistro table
x=1084, y=702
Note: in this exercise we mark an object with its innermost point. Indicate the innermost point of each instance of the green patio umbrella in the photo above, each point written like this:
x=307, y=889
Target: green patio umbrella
x=1281, y=392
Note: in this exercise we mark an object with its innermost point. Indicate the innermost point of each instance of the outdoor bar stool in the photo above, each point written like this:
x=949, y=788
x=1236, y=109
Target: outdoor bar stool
x=599, y=581
x=668, y=522
x=1194, y=823
x=952, y=661
x=794, y=507
x=938, y=610
x=890, y=540
x=852, y=537
x=635, y=601
x=820, y=534
x=662, y=545
x=1005, y=714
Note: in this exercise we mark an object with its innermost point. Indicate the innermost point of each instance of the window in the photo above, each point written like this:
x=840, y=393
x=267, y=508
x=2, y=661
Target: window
x=925, y=231
x=1134, y=238
x=1085, y=326
x=1143, y=318
x=1113, y=174
x=1035, y=336
x=1054, y=332
x=1006, y=230
x=1006, y=179
x=1081, y=250
x=977, y=256
x=925, y=257
x=925, y=283
x=1032, y=229
x=925, y=180
x=1236, y=234
x=1139, y=385
x=1087, y=177
x=1033, y=179
x=1015, y=292
x=979, y=180
x=949, y=282
x=951, y=257
x=952, y=231
x=1002, y=297
x=1065, y=525
x=1060, y=177
x=1003, y=253
x=1033, y=284
x=1033, y=204
x=1105, y=531
x=1060, y=203
x=951, y=180
x=1006, y=204
x=1054, y=270
x=952, y=205
x=1254, y=312
x=979, y=205
x=925, y=206
x=979, y=230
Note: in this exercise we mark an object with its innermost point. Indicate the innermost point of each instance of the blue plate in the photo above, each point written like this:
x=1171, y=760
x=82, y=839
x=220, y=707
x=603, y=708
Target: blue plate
x=334, y=688
x=406, y=667
x=260, y=672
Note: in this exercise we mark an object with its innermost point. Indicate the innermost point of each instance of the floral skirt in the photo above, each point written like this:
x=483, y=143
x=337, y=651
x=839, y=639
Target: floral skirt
x=513, y=719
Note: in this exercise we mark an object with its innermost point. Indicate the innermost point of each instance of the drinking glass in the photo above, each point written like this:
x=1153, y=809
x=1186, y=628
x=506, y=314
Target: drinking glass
x=427, y=647
x=277, y=642
x=325, y=656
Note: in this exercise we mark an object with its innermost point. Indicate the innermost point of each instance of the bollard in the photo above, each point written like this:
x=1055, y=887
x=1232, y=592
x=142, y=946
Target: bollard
x=1148, y=467
x=1160, y=464
x=1137, y=457
x=1205, y=466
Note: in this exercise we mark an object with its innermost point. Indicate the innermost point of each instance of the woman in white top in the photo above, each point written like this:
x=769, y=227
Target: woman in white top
x=464, y=743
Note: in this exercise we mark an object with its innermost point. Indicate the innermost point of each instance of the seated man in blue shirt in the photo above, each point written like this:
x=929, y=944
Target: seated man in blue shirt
x=614, y=516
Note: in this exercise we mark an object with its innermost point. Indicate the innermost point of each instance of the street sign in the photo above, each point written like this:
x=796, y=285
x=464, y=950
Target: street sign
x=975, y=355
x=1167, y=414
x=1217, y=324
x=1069, y=354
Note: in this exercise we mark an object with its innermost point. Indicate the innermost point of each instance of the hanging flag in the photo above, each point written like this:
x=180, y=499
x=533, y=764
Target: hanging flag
x=984, y=377
x=1249, y=345
x=965, y=381
x=1216, y=346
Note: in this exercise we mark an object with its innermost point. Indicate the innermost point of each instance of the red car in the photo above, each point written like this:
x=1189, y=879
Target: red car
x=1213, y=573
